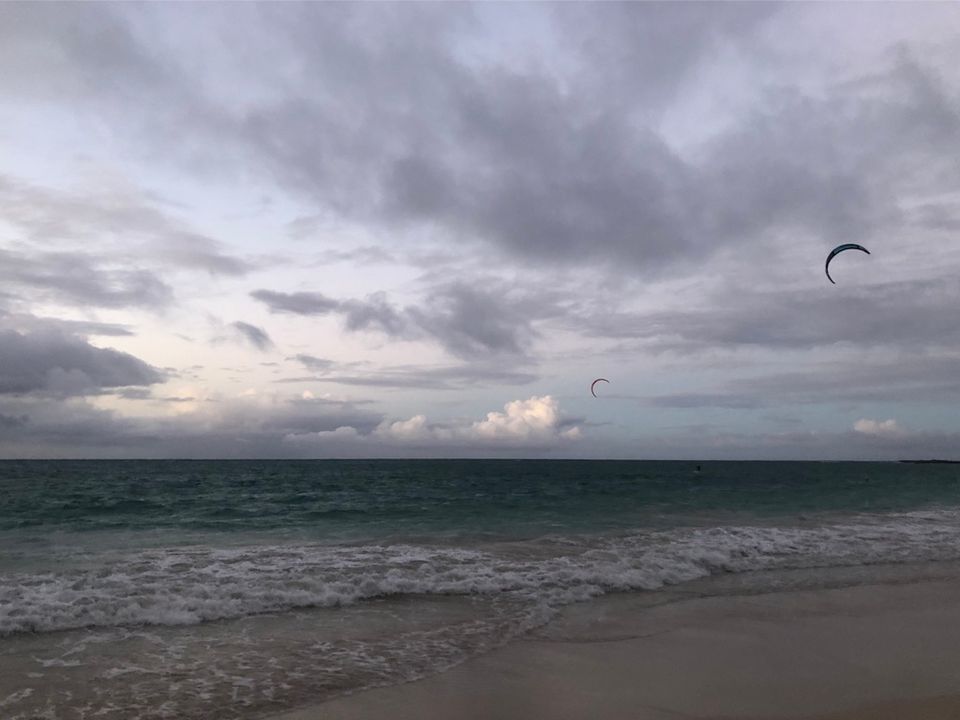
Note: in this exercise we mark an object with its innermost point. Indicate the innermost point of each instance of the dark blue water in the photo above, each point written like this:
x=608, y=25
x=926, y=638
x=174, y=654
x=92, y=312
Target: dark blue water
x=370, y=499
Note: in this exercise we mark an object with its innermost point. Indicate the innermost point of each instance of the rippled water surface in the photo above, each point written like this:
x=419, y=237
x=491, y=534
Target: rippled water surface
x=210, y=589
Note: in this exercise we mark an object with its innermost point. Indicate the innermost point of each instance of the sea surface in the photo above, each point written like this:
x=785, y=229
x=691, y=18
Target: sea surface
x=235, y=589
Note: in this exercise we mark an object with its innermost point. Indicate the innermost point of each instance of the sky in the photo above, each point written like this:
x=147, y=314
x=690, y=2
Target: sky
x=422, y=230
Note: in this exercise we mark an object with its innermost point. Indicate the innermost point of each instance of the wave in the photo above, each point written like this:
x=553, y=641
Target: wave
x=200, y=584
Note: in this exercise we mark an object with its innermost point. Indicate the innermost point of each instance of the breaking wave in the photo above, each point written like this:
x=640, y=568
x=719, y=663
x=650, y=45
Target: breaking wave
x=185, y=586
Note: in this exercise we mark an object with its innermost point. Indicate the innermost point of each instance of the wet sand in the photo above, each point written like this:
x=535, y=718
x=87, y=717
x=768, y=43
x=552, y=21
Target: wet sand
x=875, y=651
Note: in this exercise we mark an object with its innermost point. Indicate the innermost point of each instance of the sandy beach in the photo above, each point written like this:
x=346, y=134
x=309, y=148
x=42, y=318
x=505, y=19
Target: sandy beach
x=871, y=651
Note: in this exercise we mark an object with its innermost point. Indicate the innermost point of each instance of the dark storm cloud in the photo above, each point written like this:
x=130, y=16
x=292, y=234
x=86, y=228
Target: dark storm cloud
x=469, y=321
x=254, y=335
x=58, y=364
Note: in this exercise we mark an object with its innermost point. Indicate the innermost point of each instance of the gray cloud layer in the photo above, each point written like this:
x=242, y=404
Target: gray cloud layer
x=467, y=321
x=928, y=379
x=73, y=428
x=83, y=280
x=254, y=335
x=546, y=170
x=127, y=227
x=429, y=124
x=411, y=376
x=58, y=364
x=906, y=314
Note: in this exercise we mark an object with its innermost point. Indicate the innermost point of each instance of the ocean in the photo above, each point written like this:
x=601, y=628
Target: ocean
x=235, y=589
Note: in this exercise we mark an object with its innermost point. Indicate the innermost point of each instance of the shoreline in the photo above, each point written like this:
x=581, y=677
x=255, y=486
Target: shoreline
x=851, y=653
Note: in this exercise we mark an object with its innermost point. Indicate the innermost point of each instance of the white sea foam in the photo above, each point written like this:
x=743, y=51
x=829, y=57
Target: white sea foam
x=189, y=586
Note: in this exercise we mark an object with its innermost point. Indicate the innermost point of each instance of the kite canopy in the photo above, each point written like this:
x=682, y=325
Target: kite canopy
x=594, y=383
x=839, y=249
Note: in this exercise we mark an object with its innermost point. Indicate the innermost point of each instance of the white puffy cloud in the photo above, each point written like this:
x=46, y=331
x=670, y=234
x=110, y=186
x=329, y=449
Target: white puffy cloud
x=877, y=427
x=416, y=428
x=536, y=422
x=537, y=418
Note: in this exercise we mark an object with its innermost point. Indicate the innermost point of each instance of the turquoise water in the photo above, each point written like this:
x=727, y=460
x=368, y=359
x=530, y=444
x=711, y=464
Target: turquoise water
x=226, y=589
x=373, y=499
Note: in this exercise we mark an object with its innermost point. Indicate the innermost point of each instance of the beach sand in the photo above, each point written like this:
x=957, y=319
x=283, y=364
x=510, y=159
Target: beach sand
x=868, y=652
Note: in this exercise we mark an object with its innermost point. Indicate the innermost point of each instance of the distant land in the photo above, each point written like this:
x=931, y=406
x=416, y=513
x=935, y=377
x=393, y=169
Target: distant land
x=944, y=462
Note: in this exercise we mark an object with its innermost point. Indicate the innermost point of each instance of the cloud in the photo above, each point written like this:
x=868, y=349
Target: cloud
x=53, y=363
x=558, y=170
x=297, y=303
x=85, y=327
x=907, y=314
x=205, y=427
x=442, y=377
x=374, y=313
x=83, y=279
x=468, y=321
x=127, y=225
x=931, y=379
x=535, y=419
x=11, y=421
x=548, y=161
x=413, y=430
x=254, y=335
x=133, y=393
x=316, y=364
x=877, y=427
x=534, y=423
x=194, y=251
x=674, y=174
x=28, y=322
x=698, y=400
